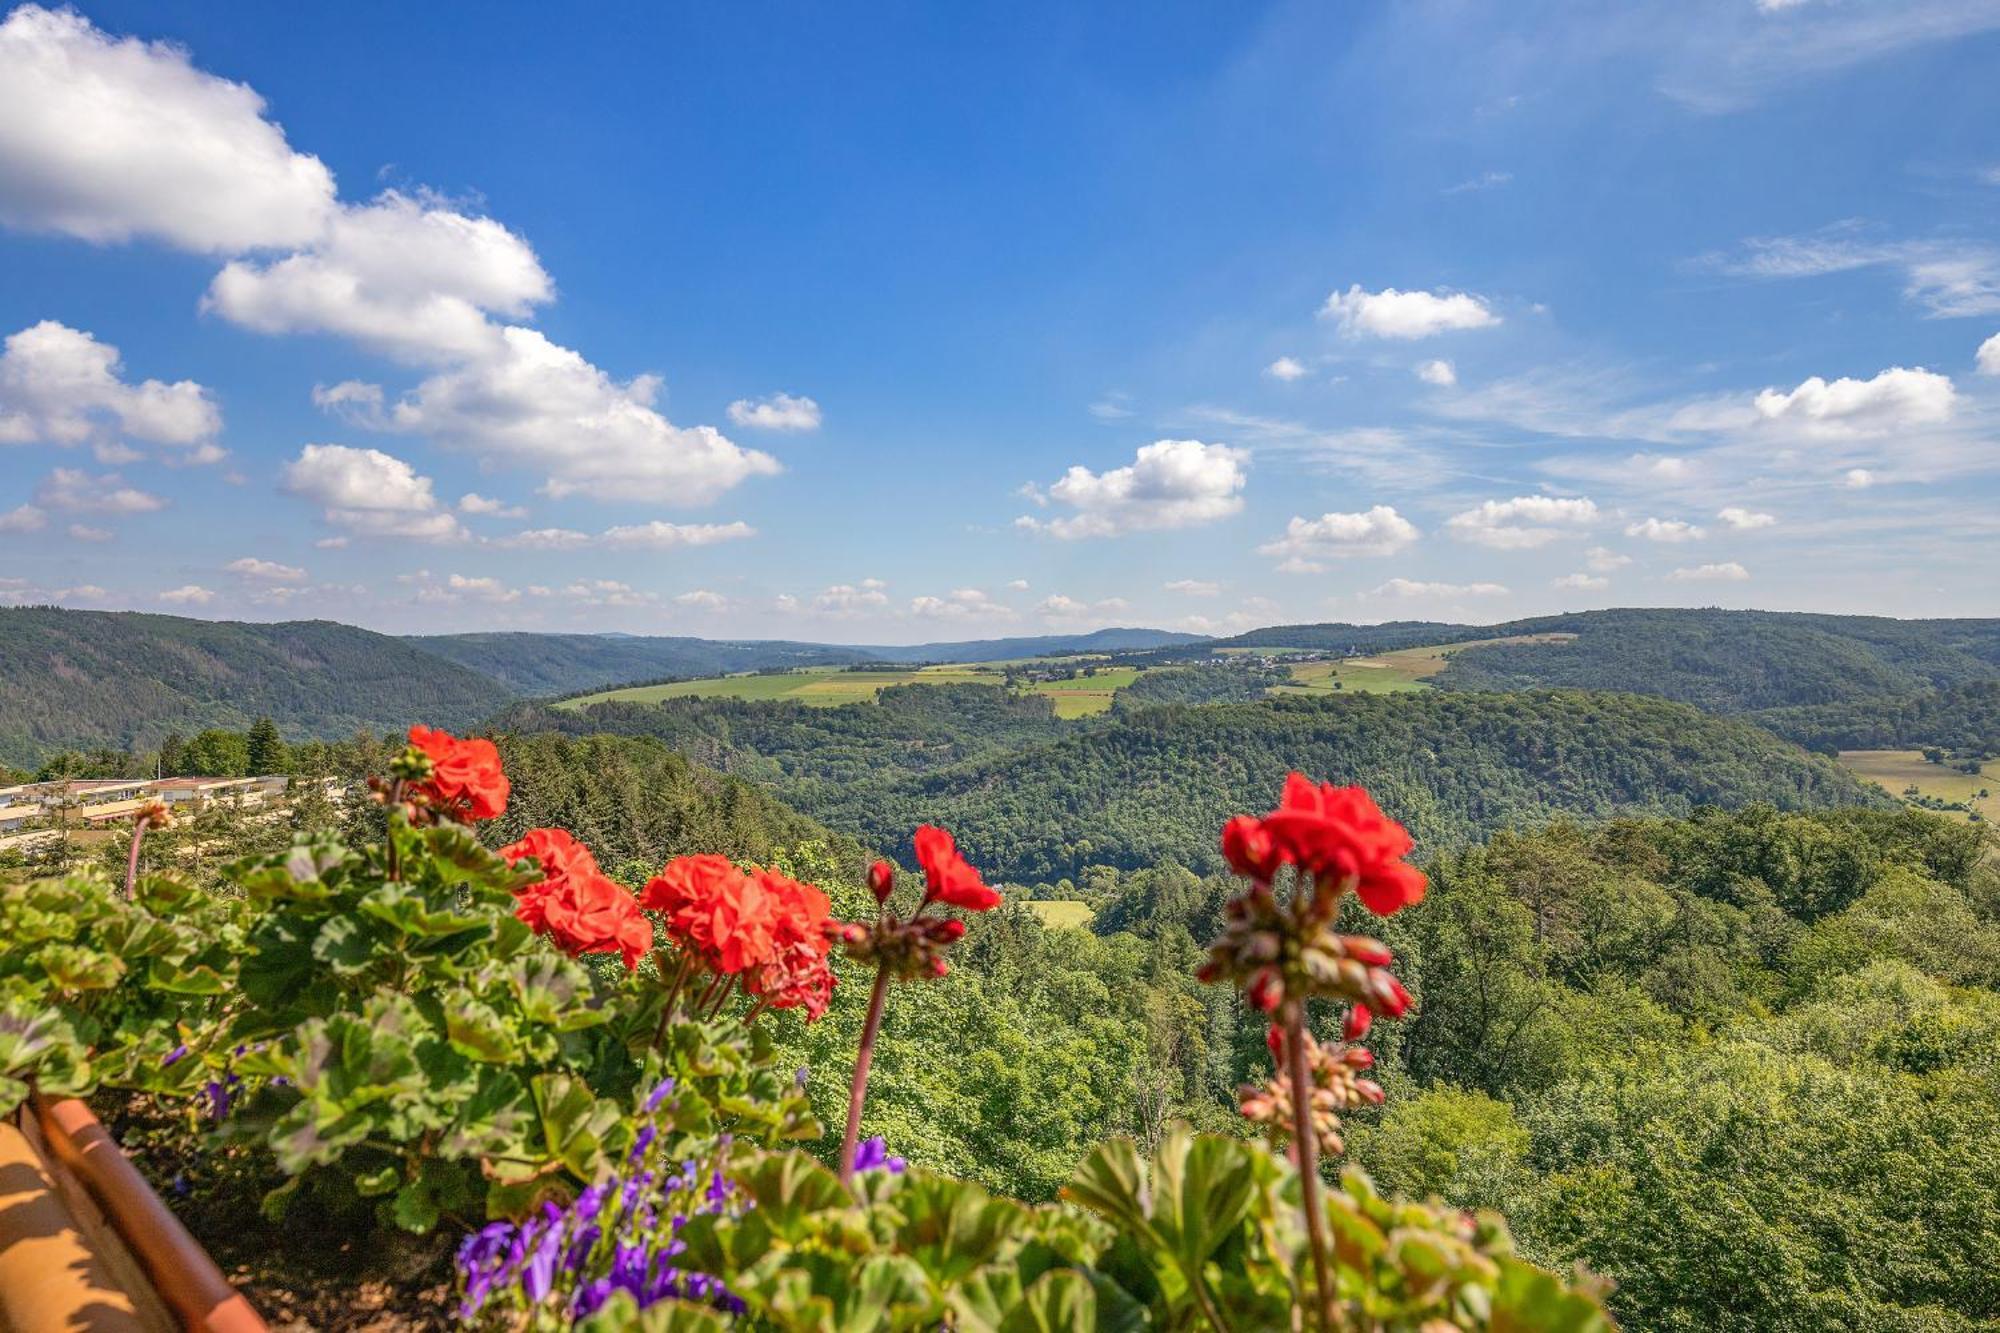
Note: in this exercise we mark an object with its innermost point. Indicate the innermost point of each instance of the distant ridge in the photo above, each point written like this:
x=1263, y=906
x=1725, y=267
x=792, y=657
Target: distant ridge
x=552, y=664
x=76, y=679
x=1723, y=661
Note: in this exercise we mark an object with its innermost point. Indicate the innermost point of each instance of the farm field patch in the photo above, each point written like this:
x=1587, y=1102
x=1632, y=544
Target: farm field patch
x=1390, y=672
x=1898, y=770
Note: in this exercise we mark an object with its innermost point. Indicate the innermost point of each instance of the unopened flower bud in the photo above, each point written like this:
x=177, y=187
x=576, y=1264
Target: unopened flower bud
x=951, y=930
x=1372, y=952
x=1356, y=1024
x=1358, y=1057
x=939, y=967
x=1370, y=1090
x=881, y=880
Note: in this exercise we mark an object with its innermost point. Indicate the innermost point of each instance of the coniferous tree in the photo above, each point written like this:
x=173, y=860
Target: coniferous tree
x=267, y=748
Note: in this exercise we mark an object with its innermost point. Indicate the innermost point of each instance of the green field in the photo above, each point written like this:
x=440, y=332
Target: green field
x=1895, y=770
x=1388, y=673
x=1063, y=913
x=826, y=687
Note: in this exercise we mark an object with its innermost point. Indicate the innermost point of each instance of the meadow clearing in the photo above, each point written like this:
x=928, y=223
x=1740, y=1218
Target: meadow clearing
x=1896, y=770
x=1388, y=673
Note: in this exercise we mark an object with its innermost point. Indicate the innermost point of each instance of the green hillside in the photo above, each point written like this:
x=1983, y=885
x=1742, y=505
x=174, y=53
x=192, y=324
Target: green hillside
x=1722, y=661
x=125, y=679
x=561, y=664
x=1040, y=798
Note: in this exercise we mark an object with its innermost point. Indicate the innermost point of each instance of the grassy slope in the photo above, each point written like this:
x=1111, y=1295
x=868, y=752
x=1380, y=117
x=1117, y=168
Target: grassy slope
x=1895, y=770
x=830, y=687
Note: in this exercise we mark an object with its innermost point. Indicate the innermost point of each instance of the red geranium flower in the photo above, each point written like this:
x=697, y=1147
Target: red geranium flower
x=466, y=779
x=714, y=912
x=1339, y=833
x=949, y=877
x=797, y=974
x=590, y=914
x=560, y=856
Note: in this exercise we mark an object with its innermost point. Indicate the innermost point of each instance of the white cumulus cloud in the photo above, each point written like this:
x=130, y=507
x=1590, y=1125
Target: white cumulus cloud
x=845, y=599
x=1286, y=369
x=1893, y=400
x=961, y=604
x=1665, y=530
x=701, y=599
x=270, y=571
x=1169, y=484
x=537, y=405
x=106, y=493
x=1726, y=572
x=1522, y=523
x=1193, y=587
x=1989, y=356
x=1308, y=543
x=1858, y=479
x=370, y=493
x=23, y=518
x=188, y=594
x=109, y=139
x=62, y=386
x=408, y=276
x=1582, y=582
x=780, y=411
x=1405, y=315
x=474, y=503
x=1414, y=588
x=1745, y=520
x=661, y=536
x=1439, y=373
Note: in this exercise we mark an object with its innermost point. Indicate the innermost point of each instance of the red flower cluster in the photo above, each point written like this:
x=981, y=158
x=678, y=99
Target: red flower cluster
x=948, y=877
x=764, y=926
x=1336, y=834
x=575, y=904
x=466, y=780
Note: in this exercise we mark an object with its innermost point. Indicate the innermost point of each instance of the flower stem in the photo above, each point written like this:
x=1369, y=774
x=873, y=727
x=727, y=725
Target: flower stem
x=1306, y=1145
x=864, y=1057
x=132, y=859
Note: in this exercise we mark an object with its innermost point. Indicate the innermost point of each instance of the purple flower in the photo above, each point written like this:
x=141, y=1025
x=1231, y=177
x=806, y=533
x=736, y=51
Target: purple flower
x=175, y=1056
x=644, y=1141
x=873, y=1154
x=661, y=1091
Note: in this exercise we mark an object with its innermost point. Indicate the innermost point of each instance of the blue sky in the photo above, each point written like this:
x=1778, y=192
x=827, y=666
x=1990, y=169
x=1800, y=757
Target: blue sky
x=893, y=323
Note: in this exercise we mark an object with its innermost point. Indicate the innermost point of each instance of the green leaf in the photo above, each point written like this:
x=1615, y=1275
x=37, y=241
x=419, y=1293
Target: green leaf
x=72, y=967
x=1057, y=1303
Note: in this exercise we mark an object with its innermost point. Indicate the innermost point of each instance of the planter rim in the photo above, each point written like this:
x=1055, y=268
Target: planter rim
x=181, y=1271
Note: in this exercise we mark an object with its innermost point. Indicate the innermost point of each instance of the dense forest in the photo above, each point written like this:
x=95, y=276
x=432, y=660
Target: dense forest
x=1041, y=800
x=1734, y=661
x=89, y=678
x=1963, y=720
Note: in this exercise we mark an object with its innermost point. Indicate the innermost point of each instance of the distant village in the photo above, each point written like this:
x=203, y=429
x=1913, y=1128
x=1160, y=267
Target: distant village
x=35, y=817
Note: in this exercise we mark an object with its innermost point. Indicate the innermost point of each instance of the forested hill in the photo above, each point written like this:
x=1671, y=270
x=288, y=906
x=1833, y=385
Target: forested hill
x=1723, y=661
x=557, y=664
x=89, y=678
x=554, y=664
x=1037, y=799
x=1153, y=785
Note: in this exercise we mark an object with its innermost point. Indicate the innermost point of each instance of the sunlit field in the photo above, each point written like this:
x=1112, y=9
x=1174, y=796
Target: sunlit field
x=827, y=687
x=1895, y=770
x=1389, y=673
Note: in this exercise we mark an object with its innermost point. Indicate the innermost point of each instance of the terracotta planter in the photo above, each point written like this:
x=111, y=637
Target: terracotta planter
x=85, y=1243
